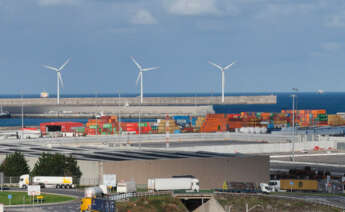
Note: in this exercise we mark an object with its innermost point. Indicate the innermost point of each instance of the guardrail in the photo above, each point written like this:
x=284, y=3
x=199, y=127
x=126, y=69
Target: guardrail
x=118, y=197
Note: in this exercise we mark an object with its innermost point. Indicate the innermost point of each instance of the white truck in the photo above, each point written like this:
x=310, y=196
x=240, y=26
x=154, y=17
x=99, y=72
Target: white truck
x=170, y=184
x=265, y=188
x=126, y=187
x=46, y=181
x=274, y=185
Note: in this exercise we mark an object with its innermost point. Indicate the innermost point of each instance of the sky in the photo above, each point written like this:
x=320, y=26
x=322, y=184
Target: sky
x=277, y=45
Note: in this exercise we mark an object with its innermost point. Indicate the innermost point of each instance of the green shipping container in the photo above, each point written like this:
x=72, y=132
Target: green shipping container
x=93, y=126
x=142, y=124
x=107, y=125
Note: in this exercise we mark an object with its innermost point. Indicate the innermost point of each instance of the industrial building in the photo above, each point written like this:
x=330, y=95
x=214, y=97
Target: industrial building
x=212, y=169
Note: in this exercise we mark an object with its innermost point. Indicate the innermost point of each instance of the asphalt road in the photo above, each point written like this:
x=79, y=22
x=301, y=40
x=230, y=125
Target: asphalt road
x=63, y=207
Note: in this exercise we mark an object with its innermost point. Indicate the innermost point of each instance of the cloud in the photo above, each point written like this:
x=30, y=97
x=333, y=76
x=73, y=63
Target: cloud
x=331, y=46
x=57, y=2
x=286, y=9
x=143, y=17
x=336, y=21
x=192, y=7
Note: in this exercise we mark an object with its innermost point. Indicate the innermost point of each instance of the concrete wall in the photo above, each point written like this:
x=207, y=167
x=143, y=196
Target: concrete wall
x=212, y=172
x=271, y=99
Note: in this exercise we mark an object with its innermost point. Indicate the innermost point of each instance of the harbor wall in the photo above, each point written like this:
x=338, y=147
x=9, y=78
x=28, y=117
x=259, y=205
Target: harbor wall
x=210, y=100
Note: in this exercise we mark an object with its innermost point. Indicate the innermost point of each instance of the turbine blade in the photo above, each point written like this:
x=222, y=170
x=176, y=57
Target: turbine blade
x=139, y=76
x=136, y=63
x=150, y=69
x=215, y=65
x=60, y=79
x=50, y=67
x=228, y=66
x=66, y=62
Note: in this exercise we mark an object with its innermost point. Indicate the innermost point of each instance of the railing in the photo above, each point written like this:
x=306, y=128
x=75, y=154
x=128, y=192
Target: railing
x=118, y=197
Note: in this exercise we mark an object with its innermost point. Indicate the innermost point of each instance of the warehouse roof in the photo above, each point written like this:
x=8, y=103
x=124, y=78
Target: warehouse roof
x=111, y=154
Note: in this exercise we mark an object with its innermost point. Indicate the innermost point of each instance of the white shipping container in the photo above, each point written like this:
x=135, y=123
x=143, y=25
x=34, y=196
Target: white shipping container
x=126, y=187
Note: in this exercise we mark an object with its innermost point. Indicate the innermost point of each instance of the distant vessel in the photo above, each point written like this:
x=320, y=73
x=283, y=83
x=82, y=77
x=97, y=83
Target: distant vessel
x=4, y=114
x=44, y=94
x=320, y=91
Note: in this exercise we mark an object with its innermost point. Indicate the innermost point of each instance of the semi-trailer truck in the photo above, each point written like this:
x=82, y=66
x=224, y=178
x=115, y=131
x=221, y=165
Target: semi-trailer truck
x=46, y=181
x=294, y=185
x=170, y=184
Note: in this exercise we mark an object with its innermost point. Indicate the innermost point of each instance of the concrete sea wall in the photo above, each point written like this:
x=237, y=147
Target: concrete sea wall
x=210, y=100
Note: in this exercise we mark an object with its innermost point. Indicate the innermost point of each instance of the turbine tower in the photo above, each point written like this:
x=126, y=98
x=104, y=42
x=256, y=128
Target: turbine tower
x=222, y=69
x=59, y=78
x=140, y=76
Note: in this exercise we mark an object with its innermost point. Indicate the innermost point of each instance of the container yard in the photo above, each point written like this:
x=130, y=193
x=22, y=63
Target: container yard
x=306, y=122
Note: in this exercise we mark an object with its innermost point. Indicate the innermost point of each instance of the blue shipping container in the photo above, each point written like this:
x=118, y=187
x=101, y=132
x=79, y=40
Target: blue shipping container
x=103, y=205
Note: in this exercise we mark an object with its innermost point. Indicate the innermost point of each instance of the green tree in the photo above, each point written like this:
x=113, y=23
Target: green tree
x=56, y=165
x=14, y=165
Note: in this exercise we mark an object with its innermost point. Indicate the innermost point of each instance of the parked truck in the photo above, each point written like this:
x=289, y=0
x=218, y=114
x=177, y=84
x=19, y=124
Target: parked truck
x=244, y=187
x=170, y=184
x=46, y=181
x=294, y=185
x=126, y=187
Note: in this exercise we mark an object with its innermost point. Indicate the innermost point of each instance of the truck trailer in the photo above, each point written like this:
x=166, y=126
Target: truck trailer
x=294, y=185
x=126, y=187
x=46, y=181
x=170, y=184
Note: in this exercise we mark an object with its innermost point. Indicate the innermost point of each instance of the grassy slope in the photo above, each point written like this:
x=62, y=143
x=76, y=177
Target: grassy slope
x=18, y=198
x=152, y=204
x=270, y=204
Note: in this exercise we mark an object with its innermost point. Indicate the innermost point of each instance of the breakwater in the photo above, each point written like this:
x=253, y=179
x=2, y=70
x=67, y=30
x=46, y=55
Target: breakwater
x=149, y=101
x=82, y=111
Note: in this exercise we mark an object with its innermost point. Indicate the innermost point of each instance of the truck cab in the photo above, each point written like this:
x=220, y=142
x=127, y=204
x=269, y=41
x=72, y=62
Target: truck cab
x=24, y=181
x=274, y=185
x=195, y=185
x=265, y=188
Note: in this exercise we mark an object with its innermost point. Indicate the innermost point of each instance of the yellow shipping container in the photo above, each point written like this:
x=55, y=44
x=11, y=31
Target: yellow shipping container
x=299, y=185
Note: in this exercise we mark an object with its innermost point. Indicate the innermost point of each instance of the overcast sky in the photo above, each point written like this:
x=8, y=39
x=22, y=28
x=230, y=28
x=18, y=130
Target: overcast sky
x=278, y=45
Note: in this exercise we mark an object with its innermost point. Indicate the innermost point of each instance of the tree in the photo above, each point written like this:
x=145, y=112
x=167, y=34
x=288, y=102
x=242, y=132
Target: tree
x=56, y=165
x=14, y=165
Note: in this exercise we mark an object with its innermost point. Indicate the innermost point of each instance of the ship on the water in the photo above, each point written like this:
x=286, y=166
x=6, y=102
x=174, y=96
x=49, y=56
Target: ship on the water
x=4, y=114
x=44, y=94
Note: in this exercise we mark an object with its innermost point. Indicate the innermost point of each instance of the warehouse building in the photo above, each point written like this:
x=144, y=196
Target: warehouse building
x=212, y=169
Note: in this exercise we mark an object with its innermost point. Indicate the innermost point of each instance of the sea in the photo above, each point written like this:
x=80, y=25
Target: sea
x=333, y=102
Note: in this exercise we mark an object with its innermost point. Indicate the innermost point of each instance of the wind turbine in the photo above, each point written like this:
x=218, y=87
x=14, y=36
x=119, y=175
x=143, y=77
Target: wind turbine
x=59, y=78
x=222, y=69
x=140, y=76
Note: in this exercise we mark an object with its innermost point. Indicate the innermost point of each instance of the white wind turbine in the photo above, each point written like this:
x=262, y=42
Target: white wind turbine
x=222, y=69
x=140, y=76
x=59, y=78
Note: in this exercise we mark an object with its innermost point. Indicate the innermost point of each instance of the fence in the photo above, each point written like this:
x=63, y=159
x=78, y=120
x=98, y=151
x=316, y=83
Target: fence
x=117, y=197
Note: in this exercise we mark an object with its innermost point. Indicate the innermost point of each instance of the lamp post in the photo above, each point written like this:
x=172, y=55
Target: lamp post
x=119, y=105
x=293, y=124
